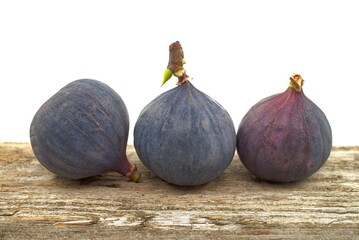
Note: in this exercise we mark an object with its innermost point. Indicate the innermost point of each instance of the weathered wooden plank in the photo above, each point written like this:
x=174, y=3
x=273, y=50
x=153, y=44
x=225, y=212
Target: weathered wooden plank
x=36, y=204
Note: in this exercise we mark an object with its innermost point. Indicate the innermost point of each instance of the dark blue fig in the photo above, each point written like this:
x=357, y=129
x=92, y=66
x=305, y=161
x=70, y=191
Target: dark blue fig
x=185, y=137
x=82, y=131
x=285, y=137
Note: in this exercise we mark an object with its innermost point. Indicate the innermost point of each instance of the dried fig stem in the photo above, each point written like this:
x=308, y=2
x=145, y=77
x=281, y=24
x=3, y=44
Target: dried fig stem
x=296, y=82
x=176, y=62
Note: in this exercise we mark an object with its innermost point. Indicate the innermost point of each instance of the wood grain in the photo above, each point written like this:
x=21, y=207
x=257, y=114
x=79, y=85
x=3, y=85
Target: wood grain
x=35, y=204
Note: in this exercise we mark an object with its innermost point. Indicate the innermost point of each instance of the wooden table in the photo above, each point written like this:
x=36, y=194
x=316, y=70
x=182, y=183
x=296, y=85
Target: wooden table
x=35, y=204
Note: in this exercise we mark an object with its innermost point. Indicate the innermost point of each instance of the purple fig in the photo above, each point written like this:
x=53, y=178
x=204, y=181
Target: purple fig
x=285, y=137
x=82, y=131
x=184, y=136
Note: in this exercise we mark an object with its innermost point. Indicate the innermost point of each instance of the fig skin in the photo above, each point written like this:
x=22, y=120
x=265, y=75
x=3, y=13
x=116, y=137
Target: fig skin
x=185, y=137
x=82, y=131
x=284, y=138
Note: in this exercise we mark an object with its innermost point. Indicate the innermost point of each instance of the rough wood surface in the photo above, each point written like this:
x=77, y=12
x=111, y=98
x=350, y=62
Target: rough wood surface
x=35, y=204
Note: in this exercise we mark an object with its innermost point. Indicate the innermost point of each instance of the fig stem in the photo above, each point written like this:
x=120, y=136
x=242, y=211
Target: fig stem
x=296, y=82
x=175, y=64
x=134, y=176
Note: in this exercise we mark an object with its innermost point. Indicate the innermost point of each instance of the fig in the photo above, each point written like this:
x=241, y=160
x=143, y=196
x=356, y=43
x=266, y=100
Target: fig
x=285, y=137
x=184, y=136
x=82, y=131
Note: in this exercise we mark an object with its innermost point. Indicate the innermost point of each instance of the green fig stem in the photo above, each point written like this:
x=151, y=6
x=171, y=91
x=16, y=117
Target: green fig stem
x=166, y=76
x=296, y=82
x=175, y=64
x=133, y=175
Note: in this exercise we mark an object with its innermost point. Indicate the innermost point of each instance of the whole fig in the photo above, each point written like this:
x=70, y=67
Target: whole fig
x=285, y=137
x=184, y=136
x=82, y=131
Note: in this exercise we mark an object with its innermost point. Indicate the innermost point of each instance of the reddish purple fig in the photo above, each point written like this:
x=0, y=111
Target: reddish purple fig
x=285, y=137
x=82, y=131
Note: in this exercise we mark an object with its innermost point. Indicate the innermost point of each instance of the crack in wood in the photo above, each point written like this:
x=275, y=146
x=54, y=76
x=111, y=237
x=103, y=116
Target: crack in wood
x=76, y=223
x=9, y=214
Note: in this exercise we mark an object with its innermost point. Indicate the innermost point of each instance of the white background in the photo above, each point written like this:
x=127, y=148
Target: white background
x=238, y=52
